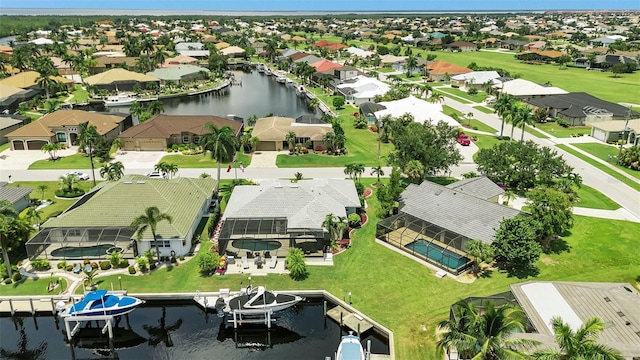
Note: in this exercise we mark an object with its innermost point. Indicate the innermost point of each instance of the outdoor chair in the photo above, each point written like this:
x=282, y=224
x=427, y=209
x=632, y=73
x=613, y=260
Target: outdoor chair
x=245, y=262
x=273, y=261
x=77, y=269
x=88, y=268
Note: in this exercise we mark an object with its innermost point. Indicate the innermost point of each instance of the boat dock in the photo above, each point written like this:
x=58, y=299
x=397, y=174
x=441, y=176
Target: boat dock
x=351, y=320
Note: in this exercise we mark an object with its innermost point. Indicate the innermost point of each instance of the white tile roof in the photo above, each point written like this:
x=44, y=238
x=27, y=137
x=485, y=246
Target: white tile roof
x=422, y=111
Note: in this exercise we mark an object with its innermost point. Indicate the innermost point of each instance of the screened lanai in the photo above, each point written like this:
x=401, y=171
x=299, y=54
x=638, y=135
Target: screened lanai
x=240, y=236
x=82, y=243
x=429, y=242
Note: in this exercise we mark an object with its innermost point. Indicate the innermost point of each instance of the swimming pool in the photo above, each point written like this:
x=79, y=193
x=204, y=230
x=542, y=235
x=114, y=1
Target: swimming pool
x=436, y=253
x=256, y=244
x=81, y=252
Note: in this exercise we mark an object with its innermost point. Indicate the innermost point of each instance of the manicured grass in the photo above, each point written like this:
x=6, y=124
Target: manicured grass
x=601, y=167
x=478, y=125
x=75, y=161
x=33, y=115
x=4, y=146
x=485, y=141
x=484, y=109
x=33, y=287
x=594, y=199
x=479, y=97
x=448, y=110
x=58, y=205
x=607, y=153
x=553, y=129
x=448, y=93
x=202, y=161
x=79, y=94
x=535, y=133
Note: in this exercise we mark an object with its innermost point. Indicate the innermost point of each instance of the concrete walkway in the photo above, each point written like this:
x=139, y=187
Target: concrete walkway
x=265, y=159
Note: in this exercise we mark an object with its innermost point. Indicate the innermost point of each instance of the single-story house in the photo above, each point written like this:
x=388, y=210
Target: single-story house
x=357, y=52
x=123, y=80
x=461, y=46
x=368, y=110
x=163, y=131
x=535, y=46
x=512, y=44
x=104, y=63
x=233, y=52
x=614, y=130
x=272, y=132
x=17, y=196
x=442, y=70
x=480, y=186
x=180, y=60
x=102, y=218
x=397, y=63
x=12, y=96
x=435, y=222
x=279, y=215
x=422, y=111
x=306, y=58
x=9, y=124
x=581, y=108
x=476, y=79
x=63, y=126
x=29, y=80
x=617, y=305
x=179, y=73
x=525, y=89
x=361, y=89
x=603, y=41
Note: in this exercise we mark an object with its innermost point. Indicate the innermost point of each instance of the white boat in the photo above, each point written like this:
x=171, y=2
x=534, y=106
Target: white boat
x=100, y=303
x=258, y=298
x=122, y=99
x=350, y=348
x=260, y=67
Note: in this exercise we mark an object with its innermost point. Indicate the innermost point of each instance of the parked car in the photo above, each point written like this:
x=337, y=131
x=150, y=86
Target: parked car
x=490, y=100
x=155, y=175
x=78, y=174
x=463, y=139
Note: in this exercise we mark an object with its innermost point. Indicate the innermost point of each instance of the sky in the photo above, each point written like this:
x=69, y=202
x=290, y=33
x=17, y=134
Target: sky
x=330, y=5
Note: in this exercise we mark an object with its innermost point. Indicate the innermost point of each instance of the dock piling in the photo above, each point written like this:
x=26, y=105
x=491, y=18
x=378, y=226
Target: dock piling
x=13, y=311
x=33, y=311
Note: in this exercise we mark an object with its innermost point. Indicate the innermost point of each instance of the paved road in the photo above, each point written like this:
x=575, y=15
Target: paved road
x=613, y=188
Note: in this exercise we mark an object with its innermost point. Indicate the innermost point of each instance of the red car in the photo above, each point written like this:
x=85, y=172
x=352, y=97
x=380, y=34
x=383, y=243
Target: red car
x=464, y=140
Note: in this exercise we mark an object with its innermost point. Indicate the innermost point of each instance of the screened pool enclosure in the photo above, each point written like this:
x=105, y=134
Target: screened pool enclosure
x=420, y=238
x=82, y=243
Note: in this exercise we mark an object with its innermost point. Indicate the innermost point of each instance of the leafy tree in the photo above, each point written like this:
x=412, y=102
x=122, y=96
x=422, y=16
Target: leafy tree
x=112, y=171
x=221, y=144
x=208, y=261
x=515, y=244
x=552, y=210
x=338, y=102
x=34, y=216
x=630, y=157
x=149, y=221
x=522, y=166
x=480, y=252
x=579, y=344
x=13, y=231
x=314, y=103
x=414, y=171
x=484, y=334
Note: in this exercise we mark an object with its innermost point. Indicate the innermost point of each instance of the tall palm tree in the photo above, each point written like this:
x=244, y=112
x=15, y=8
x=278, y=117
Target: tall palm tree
x=136, y=109
x=221, y=144
x=112, y=171
x=579, y=344
x=378, y=171
x=484, y=334
x=34, y=216
x=290, y=138
x=527, y=117
x=503, y=105
x=155, y=107
x=411, y=63
x=7, y=215
x=149, y=221
x=480, y=252
x=42, y=188
x=68, y=181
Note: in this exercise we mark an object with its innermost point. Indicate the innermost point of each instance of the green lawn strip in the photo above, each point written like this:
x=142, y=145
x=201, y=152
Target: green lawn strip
x=484, y=109
x=601, y=167
x=448, y=110
x=79, y=94
x=607, y=153
x=75, y=161
x=479, y=97
x=594, y=199
x=33, y=115
x=446, y=92
x=600, y=84
x=485, y=141
x=29, y=286
x=203, y=161
x=552, y=128
x=58, y=205
x=4, y=146
x=535, y=133
x=477, y=125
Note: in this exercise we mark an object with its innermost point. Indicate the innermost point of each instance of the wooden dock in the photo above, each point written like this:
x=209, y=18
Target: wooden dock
x=353, y=321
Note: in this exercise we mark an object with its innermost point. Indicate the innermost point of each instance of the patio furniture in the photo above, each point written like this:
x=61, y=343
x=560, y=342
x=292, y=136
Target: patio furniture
x=273, y=261
x=245, y=262
x=77, y=269
x=88, y=268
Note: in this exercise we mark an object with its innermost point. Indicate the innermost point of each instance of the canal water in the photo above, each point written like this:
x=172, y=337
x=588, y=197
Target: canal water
x=258, y=95
x=171, y=330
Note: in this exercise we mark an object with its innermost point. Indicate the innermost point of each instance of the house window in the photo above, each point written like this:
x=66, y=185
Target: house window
x=196, y=139
x=61, y=137
x=161, y=243
x=185, y=139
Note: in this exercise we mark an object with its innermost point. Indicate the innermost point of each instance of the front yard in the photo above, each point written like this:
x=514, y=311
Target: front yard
x=555, y=130
x=75, y=161
x=202, y=161
x=608, y=153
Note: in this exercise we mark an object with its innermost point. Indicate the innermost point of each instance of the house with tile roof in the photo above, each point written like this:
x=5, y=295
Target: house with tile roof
x=284, y=215
x=272, y=132
x=442, y=70
x=435, y=222
x=102, y=218
x=179, y=73
x=16, y=196
x=163, y=131
x=64, y=126
x=325, y=65
x=8, y=124
x=361, y=89
x=29, y=80
x=475, y=79
x=421, y=110
x=525, y=89
x=120, y=79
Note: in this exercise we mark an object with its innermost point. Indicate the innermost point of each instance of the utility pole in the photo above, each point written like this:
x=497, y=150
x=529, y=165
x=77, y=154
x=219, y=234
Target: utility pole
x=623, y=133
x=93, y=171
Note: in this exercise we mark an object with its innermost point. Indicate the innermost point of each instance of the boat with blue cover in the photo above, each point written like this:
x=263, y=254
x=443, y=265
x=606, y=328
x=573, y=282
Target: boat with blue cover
x=350, y=348
x=100, y=303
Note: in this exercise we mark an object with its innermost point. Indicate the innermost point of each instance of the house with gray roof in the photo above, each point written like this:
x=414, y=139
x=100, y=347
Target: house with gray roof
x=101, y=219
x=279, y=215
x=17, y=196
x=180, y=73
x=435, y=222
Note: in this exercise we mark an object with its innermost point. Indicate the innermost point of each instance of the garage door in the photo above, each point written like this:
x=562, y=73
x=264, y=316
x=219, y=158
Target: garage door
x=599, y=134
x=266, y=146
x=18, y=145
x=35, y=144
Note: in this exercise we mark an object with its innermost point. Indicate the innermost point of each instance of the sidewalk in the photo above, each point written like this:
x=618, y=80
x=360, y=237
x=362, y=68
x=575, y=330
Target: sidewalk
x=619, y=214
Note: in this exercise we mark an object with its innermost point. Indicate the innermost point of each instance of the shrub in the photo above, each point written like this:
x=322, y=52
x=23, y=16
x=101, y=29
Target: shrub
x=123, y=263
x=173, y=260
x=319, y=148
x=94, y=265
x=68, y=267
x=374, y=128
x=132, y=269
x=360, y=123
x=208, y=261
x=142, y=263
x=8, y=282
x=359, y=188
x=114, y=258
x=16, y=276
x=181, y=258
x=86, y=261
x=41, y=264
x=69, y=194
x=354, y=220
x=105, y=265
x=152, y=266
x=562, y=122
x=472, y=91
x=62, y=265
x=455, y=86
x=297, y=266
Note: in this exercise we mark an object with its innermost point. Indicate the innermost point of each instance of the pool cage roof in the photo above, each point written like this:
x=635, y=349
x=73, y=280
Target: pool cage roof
x=253, y=227
x=78, y=236
x=423, y=227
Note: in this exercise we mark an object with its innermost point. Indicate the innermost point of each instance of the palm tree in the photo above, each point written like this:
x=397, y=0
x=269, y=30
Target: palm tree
x=527, y=117
x=335, y=225
x=136, y=109
x=34, y=216
x=45, y=82
x=51, y=148
x=42, y=188
x=411, y=63
x=113, y=171
x=155, y=107
x=117, y=144
x=378, y=171
x=149, y=221
x=68, y=181
x=314, y=103
x=7, y=215
x=221, y=143
x=580, y=344
x=502, y=106
x=480, y=252
x=484, y=334
x=436, y=98
x=290, y=138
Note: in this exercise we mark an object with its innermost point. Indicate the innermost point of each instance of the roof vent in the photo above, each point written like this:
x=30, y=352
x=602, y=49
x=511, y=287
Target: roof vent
x=606, y=298
x=140, y=182
x=620, y=313
x=128, y=182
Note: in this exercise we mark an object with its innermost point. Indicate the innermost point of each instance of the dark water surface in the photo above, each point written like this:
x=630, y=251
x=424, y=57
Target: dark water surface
x=181, y=331
x=259, y=95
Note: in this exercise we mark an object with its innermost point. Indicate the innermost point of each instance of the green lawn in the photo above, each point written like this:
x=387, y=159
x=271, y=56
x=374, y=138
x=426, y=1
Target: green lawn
x=202, y=161
x=33, y=287
x=607, y=153
x=448, y=93
x=58, y=205
x=479, y=97
x=601, y=167
x=4, y=146
x=79, y=94
x=484, y=109
x=478, y=125
x=535, y=133
x=75, y=161
x=553, y=129
x=485, y=141
x=594, y=199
